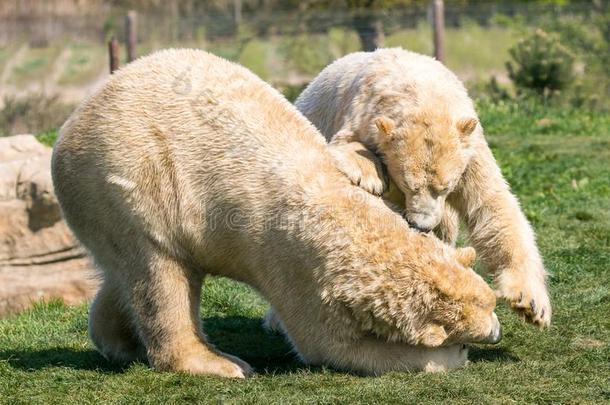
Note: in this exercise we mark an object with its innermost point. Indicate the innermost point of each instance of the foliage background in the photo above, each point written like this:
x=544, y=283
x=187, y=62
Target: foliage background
x=56, y=50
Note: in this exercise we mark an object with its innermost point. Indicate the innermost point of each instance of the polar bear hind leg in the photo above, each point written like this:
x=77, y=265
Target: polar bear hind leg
x=111, y=329
x=167, y=315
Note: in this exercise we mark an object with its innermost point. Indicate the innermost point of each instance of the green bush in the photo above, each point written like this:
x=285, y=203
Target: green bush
x=541, y=63
x=589, y=38
x=306, y=54
x=292, y=91
x=48, y=137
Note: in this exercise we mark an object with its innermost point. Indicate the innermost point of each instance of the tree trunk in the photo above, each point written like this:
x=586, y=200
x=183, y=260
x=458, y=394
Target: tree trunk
x=369, y=29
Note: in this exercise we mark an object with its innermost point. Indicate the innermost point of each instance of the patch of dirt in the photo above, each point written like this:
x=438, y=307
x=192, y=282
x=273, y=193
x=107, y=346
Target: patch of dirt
x=588, y=343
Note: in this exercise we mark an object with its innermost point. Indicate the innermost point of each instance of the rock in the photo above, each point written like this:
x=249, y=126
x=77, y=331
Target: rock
x=40, y=259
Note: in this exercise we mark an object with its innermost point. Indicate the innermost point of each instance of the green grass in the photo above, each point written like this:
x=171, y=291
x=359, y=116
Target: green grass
x=6, y=51
x=561, y=174
x=37, y=63
x=472, y=51
x=532, y=117
x=48, y=138
x=86, y=62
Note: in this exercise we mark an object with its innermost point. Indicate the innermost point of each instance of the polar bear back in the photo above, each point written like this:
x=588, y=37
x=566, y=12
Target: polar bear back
x=178, y=136
x=182, y=107
x=343, y=93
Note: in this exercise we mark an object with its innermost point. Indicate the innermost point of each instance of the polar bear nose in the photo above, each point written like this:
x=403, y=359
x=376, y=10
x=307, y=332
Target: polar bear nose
x=496, y=331
x=421, y=221
x=417, y=227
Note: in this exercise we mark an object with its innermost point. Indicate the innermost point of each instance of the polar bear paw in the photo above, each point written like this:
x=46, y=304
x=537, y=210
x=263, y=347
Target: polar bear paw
x=360, y=165
x=219, y=364
x=527, y=296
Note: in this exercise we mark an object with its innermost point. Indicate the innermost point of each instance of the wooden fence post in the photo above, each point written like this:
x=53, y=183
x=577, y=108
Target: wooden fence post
x=438, y=24
x=131, y=34
x=237, y=11
x=113, y=52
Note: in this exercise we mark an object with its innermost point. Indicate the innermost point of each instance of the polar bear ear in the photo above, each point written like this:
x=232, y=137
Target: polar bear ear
x=466, y=126
x=385, y=126
x=466, y=256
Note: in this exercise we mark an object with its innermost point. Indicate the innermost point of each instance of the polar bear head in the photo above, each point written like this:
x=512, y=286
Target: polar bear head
x=443, y=303
x=463, y=309
x=426, y=154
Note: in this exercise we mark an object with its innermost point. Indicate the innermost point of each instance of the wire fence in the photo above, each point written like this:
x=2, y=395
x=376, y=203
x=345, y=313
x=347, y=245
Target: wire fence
x=174, y=25
x=59, y=49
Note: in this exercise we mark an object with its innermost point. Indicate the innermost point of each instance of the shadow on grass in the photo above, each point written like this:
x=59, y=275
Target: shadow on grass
x=268, y=353
x=491, y=354
x=241, y=336
x=60, y=357
x=238, y=335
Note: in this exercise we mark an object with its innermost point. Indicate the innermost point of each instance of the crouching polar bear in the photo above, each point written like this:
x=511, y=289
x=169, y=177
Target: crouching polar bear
x=416, y=115
x=184, y=164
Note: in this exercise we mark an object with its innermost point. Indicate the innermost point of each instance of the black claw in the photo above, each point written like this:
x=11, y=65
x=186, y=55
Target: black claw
x=521, y=296
x=533, y=306
x=542, y=313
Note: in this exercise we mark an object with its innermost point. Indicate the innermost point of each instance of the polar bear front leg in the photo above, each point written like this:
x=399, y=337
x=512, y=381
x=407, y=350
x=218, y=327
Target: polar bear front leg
x=165, y=296
x=376, y=357
x=503, y=237
x=360, y=165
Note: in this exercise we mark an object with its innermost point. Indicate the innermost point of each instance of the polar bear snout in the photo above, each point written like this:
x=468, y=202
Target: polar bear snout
x=423, y=211
x=495, y=335
x=424, y=221
x=417, y=225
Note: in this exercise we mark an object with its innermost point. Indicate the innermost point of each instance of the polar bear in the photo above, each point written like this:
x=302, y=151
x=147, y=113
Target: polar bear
x=416, y=115
x=184, y=164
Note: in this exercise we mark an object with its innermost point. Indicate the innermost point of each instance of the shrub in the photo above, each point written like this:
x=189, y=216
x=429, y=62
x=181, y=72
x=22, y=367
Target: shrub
x=589, y=38
x=308, y=54
x=541, y=63
x=48, y=137
x=292, y=91
x=33, y=114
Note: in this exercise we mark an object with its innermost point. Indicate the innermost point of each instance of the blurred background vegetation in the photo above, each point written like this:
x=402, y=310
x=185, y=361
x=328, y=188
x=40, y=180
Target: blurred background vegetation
x=554, y=52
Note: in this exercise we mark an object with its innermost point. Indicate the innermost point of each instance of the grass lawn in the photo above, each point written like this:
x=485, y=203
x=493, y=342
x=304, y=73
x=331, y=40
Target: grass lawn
x=6, y=51
x=460, y=45
x=277, y=58
x=557, y=162
x=85, y=63
x=36, y=65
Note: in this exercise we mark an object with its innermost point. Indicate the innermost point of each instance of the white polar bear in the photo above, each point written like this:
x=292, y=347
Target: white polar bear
x=184, y=164
x=416, y=115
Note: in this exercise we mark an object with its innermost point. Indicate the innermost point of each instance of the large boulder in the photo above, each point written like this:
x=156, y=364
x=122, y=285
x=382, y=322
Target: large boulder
x=39, y=257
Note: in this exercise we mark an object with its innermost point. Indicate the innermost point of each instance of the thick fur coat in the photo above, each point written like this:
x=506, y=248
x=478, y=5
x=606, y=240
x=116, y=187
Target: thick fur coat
x=184, y=164
x=416, y=116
